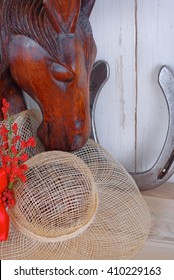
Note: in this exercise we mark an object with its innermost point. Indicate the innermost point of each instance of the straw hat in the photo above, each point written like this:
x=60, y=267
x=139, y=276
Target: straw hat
x=76, y=206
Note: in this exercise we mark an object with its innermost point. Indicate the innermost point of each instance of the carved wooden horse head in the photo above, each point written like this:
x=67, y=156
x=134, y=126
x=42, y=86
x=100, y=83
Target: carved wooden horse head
x=49, y=48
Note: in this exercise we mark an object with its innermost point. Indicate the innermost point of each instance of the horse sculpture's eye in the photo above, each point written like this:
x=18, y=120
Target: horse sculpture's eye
x=60, y=72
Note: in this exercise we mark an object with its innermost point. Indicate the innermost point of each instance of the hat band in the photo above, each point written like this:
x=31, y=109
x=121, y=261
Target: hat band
x=71, y=235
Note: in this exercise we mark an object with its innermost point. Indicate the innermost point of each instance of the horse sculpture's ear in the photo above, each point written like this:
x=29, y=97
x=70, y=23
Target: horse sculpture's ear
x=63, y=14
x=87, y=6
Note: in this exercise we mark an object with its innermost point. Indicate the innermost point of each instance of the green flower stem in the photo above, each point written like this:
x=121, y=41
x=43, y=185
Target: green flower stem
x=20, y=153
x=10, y=185
x=10, y=121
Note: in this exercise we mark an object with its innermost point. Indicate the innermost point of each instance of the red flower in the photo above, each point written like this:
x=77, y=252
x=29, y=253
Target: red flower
x=7, y=198
x=4, y=131
x=23, y=157
x=23, y=144
x=5, y=107
x=15, y=128
x=15, y=139
x=12, y=156
x=24, y=167
x=4, y=147
x=14, y=150
x=4, y=138
x=29, y=143
x=6, y=159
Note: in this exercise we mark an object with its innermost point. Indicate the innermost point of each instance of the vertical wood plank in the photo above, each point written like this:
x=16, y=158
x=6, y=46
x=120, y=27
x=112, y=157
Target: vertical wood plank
x=155, y=47
x=113, y=29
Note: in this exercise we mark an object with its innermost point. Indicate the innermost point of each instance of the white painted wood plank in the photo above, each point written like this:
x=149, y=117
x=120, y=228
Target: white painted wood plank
x=155, y=48
x=113, y=29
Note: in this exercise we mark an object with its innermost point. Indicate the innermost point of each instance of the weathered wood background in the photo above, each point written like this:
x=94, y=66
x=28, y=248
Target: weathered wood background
x=136, y=37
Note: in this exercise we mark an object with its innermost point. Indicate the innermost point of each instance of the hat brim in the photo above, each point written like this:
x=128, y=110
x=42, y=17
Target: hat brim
x=120, y=226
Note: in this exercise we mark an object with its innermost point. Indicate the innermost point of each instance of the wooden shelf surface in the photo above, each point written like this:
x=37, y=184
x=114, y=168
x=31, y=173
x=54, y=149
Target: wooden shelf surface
x=160, y=242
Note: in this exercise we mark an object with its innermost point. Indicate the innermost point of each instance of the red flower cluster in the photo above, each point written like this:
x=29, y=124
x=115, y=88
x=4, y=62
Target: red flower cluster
x=5, y=108
x=12, y=155
x=7, y=198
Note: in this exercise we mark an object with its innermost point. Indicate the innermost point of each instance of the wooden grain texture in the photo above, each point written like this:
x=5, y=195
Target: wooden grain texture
x=160, y=243
x=113, y=30
x=155, y=35
x=47, y=49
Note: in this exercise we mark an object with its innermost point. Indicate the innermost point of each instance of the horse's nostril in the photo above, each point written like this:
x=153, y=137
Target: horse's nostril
x=79, y=124
x=78, y=141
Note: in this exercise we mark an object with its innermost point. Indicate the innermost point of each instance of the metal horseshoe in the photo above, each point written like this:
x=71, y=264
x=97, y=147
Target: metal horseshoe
x=163, y=168
x=99, y=76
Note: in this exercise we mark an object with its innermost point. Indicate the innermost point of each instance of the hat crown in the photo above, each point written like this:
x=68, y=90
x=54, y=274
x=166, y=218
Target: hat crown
x=59, y=199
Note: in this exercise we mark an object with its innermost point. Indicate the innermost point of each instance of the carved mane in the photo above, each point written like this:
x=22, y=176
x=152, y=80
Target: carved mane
x=30, y=18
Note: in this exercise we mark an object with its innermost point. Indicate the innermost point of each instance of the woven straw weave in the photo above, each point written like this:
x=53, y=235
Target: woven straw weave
x=62, y=191
x=77, y=206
